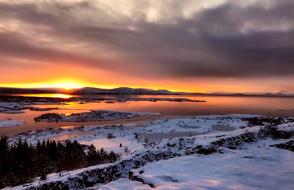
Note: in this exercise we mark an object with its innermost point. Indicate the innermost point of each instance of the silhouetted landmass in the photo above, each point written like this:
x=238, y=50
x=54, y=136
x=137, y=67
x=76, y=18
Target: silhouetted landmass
x=87, y=91
x=22, y=162
x=93, y=115
x=129, y=91
x=123, y=91
x=29, y=90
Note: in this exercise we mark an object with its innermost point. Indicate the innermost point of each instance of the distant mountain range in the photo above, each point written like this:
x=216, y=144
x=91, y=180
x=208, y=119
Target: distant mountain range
x=268, y=94
x=123, y=91
x=128, y=91
x=87, y=91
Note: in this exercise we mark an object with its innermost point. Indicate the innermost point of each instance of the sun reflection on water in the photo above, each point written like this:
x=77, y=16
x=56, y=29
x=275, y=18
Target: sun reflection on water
x=64, y=96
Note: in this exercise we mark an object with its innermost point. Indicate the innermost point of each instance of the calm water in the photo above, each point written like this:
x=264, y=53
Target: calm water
x=214, y=105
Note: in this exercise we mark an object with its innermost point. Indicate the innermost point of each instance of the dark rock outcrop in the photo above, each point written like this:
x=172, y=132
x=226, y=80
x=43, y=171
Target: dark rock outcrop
x=287, y=146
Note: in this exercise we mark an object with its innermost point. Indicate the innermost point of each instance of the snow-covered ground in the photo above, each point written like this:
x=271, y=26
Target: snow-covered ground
x=124, y=184
x=255, y=166
x=252, y=164
x=10, y=123
x=11, y=108
x=21, y=107
x=133, y=136
x=199, y=124
x=118, y=145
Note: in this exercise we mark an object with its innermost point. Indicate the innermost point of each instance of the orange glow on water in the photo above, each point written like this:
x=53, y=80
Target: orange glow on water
x=64, y=96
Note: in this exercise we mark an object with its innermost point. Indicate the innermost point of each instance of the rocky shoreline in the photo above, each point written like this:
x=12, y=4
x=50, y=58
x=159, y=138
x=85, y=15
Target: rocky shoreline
x=93, y=115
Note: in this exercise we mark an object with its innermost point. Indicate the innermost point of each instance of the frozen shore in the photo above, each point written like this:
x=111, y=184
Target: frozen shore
x=10, y=123
x=149, y=131
x=93, y=115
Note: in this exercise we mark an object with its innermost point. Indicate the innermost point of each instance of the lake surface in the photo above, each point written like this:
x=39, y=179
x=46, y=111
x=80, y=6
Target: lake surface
x=277, y=106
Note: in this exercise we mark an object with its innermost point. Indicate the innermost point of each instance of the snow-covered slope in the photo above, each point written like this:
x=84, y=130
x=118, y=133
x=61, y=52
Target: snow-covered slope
x=256, y=166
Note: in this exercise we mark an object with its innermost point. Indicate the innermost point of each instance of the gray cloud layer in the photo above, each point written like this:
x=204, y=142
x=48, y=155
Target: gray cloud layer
x=164, y=39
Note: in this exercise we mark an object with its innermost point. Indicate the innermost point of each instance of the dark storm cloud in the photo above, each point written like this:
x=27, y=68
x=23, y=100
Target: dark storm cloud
x=15, y=46
x=228, y=40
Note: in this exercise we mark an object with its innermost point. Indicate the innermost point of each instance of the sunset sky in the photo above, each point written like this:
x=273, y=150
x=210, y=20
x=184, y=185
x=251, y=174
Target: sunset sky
x=181, y=45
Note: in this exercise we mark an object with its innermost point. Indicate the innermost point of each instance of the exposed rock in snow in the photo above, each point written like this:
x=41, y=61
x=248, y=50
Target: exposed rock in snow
x=231, y=144
x=287, y=145
x=148, y=132
x=254, y=167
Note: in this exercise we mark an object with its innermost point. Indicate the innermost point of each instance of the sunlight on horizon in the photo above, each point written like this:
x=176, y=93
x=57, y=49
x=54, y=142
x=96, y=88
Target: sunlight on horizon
x=70, y=84
x=62, y=84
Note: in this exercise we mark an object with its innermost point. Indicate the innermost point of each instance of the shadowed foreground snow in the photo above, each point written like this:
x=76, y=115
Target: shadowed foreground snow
x=125, y=184
x=256, y=166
